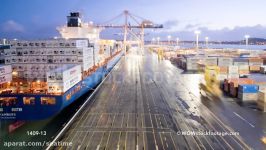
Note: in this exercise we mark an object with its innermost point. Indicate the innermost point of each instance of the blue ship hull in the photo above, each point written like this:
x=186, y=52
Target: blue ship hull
x=40, y=112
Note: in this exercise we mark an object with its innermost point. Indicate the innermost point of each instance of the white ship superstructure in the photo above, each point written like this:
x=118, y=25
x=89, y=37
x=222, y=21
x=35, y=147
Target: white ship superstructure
x=75, y=28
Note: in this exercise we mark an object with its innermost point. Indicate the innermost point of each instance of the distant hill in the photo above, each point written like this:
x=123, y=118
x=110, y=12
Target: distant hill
x=254, y=40
x=251, y=41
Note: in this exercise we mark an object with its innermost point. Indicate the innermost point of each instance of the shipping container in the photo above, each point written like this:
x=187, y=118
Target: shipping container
x=254, y=68
x=223, y=69
x=247, y=97
x=234, y=85
x=262, y=87
x=261, y=103
x=192, y=63
x=232, y=69
x=82, y=43
x=63, y=73
x=240, y=61
x=233, y=76
x=255, y=61
x=225, y=61
x=248, y=88
x=221, y=77
x=243, y=69
x=227, y=84
x=210, y=61
x=63, y=86
x=263, y=69
x=5, y=69
x=258, y=78
x=5, y=78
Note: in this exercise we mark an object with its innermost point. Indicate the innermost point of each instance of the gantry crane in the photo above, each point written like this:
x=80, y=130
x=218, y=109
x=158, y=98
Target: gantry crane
x=139, y=23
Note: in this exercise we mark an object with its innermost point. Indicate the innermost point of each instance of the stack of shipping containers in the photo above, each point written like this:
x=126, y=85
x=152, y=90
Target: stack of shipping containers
x=5, y=73
x=254, y=64
x=63, y=78
x=248, y=92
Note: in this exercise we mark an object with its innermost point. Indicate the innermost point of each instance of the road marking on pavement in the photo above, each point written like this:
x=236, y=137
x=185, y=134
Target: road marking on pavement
x=89, y=140
x=173, y=140
x=126, y=141
x=161, y=140
x=113, y=120
x=127, y=119
x=143, y=140
x=141, y=117
x=165, y=121
x=151, y=120
x=122, y=120
x=108, y=139
x=98, y=147
x=156, y=121
x=244, y=120
x=99, y=120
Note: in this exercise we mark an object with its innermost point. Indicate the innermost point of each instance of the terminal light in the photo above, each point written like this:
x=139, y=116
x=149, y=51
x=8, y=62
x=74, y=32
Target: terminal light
x=169, y=39
x=206, y=41
x=177, y=41
x=247, y=37
x=197, y=32
x=158, y=40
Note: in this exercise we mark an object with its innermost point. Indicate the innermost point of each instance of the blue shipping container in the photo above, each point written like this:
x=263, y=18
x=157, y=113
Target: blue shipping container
x=240, y=60
x=248, y=88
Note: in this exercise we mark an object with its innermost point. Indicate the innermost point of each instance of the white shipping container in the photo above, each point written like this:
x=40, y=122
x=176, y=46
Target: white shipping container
x=19, y=59
x=232, y=69
x=261, y=103
x=5, y=69
x=233, y=76
x=63, y=86
x=88, y=50
x=248, y=96
x=13, y=52
x=87, y=65
x=55, y=87
x=211, y=61
x=191, y=63
x=221, y=77
x=63, y=73
x=82, y=43
x=262, y=87
x=240, y=63
x=255, y=63
x=26, y=59
x=5, y=78
x=8, y=60
x=243, y=67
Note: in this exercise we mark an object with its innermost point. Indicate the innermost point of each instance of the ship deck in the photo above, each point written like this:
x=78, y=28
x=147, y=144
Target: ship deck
x=145, y=103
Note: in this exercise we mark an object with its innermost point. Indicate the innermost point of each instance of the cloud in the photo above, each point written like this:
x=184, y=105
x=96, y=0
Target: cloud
x=236, y=33
x=171, y=24
x=192, y=26
x=12, y=26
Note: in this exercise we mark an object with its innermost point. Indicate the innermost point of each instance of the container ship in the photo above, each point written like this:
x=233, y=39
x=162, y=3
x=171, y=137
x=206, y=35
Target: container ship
x=40, y=78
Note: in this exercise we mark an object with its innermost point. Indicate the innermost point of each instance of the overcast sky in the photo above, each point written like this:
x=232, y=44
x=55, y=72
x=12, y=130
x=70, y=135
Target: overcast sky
x=218, y=19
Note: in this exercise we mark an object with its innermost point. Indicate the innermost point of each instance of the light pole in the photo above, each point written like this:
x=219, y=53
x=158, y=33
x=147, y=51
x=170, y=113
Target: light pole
x=4, y=41
x=169, y=38
x=206, y=41
x=247, y=37
x=197, y=38
x=153, y=40
x=158, y=40
x=177, y=41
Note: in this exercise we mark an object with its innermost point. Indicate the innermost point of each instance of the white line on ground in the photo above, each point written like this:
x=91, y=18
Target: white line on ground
x=244, y=120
